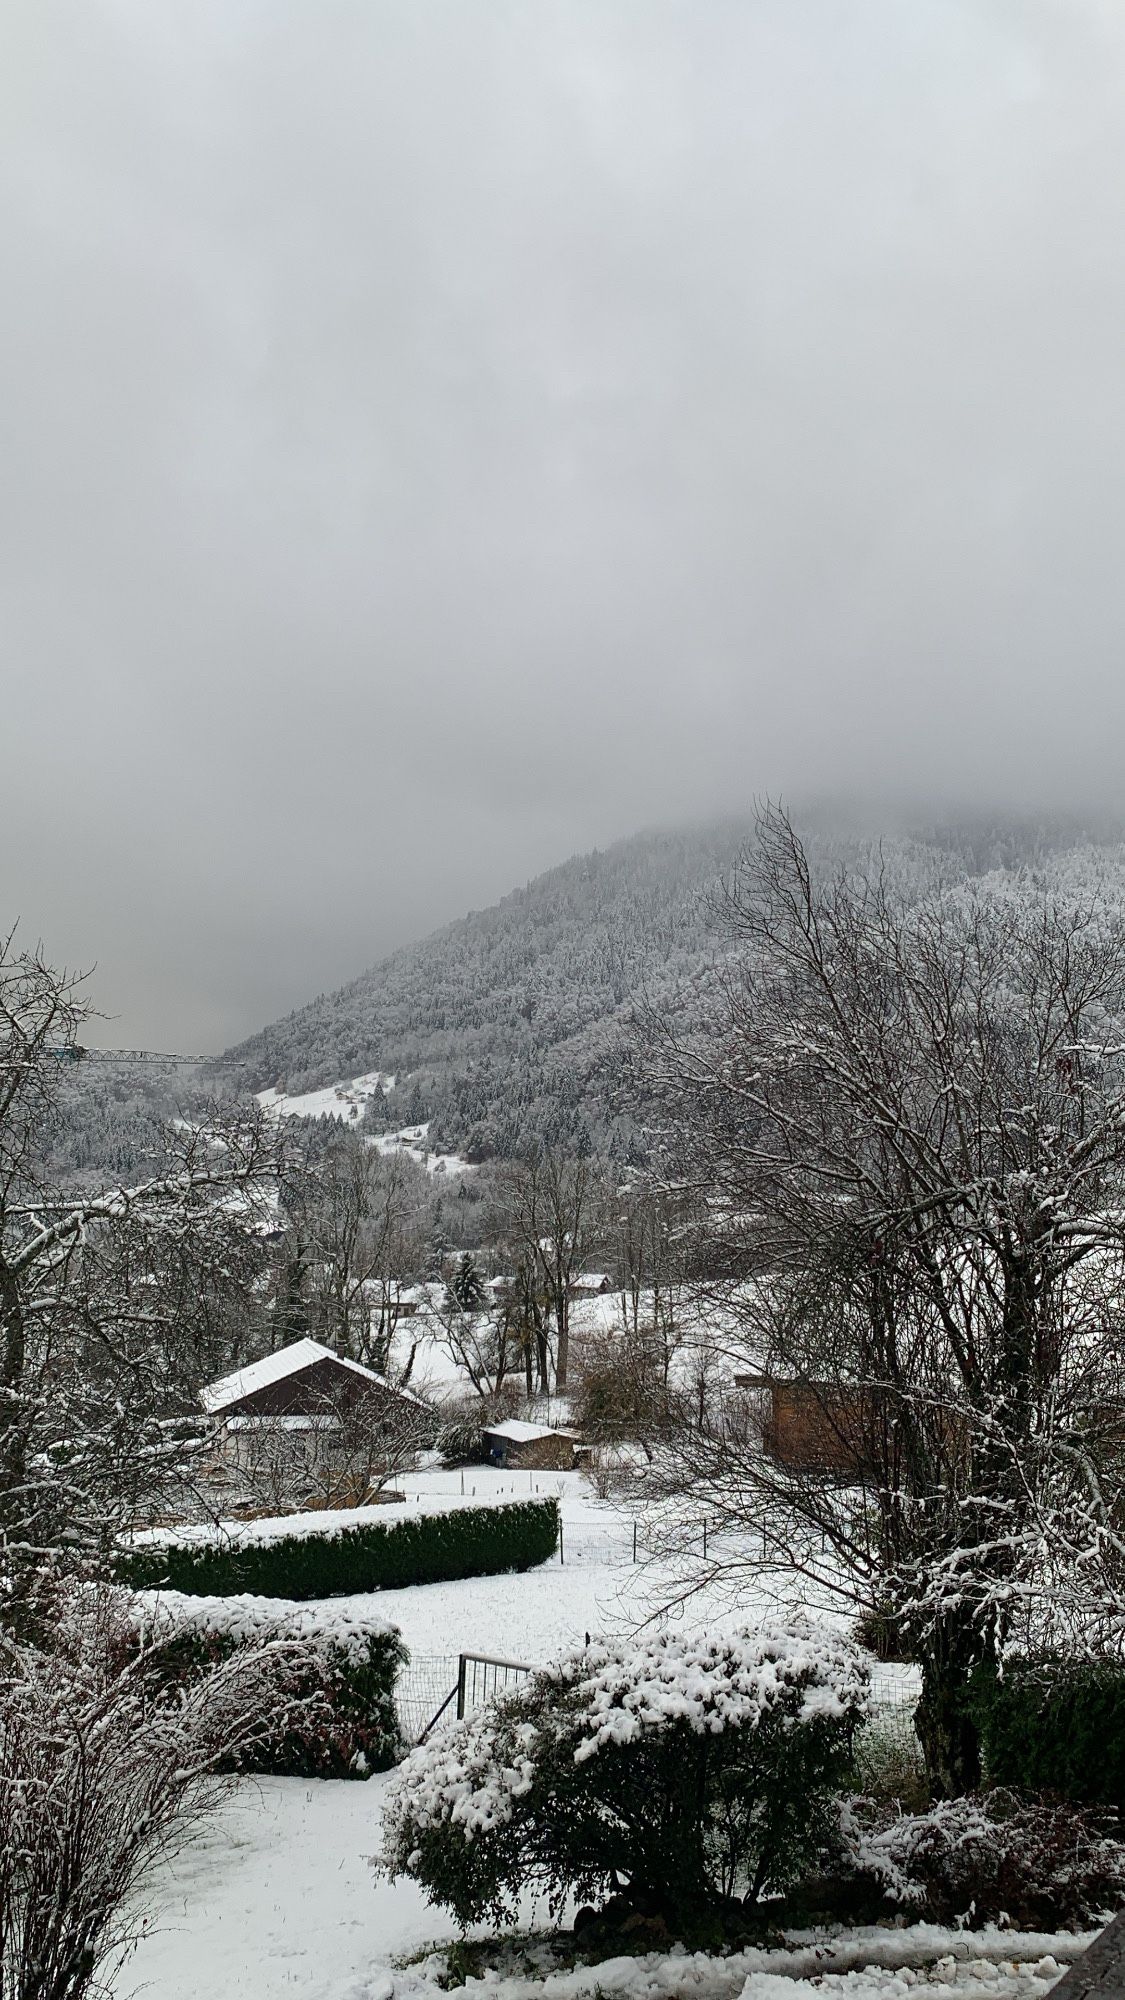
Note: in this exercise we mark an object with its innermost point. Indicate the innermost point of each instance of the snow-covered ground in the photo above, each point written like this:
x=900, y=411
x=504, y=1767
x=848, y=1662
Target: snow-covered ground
x=346, y=1103
x=277, y=1901
x=593, y=1584
x=415, y=1141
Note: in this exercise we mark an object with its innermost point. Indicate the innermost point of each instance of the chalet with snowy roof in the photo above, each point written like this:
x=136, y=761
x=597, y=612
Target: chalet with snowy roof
x=590, y=1284
x=302, y=1405
x=300, y=1380
x=519, y=1446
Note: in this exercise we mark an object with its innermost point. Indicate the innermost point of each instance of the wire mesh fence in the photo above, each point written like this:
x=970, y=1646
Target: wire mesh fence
x=613, y=1548
x=440, y=1686
x=633, y=1542
x=421, y=1689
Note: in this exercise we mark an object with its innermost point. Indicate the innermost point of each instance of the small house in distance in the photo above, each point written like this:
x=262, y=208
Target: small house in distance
x=590, y=1284
x=305, y=1418
x=301, y=1380
x=518, y=1446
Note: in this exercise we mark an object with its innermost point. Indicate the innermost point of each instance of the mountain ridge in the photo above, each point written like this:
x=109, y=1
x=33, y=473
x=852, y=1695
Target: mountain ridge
x=499, y=1024
x=504, y=1028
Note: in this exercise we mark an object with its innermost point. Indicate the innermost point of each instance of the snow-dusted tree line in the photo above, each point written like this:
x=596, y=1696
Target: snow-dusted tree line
x=508, y=1029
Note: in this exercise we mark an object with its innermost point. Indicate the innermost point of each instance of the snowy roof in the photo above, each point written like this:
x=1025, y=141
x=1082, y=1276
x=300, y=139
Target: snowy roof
x=288, y=1361
x=521, y=1433
x=591, y=1281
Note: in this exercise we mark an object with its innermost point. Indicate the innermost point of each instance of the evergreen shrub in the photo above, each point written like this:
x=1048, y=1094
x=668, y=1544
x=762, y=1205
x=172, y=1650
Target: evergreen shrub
x=345, y=1561
x=681, y=1773
x=1055, y=1725
x=331, y=1679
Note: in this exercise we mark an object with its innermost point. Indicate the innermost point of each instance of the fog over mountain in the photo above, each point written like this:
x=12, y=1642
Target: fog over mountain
x=439, y=439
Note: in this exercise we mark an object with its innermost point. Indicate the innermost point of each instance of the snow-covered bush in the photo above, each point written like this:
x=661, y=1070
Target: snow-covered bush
x=991, y=1857
x=104, y=1768
x=330, y=1711
x=682, y=1770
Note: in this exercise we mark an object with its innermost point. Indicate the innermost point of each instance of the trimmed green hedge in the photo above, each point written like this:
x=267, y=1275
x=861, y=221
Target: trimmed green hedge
x=1055, y=1725
x=426, y=1548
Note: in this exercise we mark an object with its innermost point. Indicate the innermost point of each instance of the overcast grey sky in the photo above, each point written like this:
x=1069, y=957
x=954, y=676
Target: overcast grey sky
x=438, y=435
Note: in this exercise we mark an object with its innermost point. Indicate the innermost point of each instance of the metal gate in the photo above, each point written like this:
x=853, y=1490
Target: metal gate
x=481, y=1678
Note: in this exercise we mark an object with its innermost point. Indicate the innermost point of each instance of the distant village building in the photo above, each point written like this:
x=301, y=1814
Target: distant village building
x=588, y=1284
x=516, y=1445
x=814, y=1427
x=304, y=1388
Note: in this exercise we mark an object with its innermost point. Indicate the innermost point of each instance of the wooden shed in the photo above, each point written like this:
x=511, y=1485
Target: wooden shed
x=530, y=1447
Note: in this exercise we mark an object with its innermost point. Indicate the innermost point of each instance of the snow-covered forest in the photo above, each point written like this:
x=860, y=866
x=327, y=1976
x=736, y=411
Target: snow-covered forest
x=506, y=1029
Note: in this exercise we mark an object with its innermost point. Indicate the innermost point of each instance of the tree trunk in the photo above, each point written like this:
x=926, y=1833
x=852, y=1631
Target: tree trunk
x=13, y=1438
x=946, y=1731
x=562, y=1350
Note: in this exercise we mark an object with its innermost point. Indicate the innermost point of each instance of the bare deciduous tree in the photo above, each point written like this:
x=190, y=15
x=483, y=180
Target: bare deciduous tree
x=110, y=1304
x=104, y=1770
x=553, y=1211
x=651, y=1232
x=906, y=1116
x=622, y=1388
x=354, y=1243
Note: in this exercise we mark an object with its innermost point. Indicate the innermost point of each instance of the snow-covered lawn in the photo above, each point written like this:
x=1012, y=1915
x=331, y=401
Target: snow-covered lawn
x=277, y=1901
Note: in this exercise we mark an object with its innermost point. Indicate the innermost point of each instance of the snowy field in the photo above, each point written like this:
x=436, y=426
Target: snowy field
x=345, y=1103
x=277, y=1901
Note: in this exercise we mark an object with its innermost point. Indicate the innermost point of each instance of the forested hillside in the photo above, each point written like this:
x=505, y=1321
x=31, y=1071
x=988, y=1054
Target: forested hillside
x=499, y=1027
x=505, y=1027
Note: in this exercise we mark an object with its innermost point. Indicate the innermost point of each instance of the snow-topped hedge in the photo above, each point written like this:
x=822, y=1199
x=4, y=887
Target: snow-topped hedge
x=690, y=1769
x=332, y=1714
x=314, y=1560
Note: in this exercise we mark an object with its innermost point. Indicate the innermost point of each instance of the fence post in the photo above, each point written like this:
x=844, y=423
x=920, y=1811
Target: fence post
x=705, y=1538
x=562, y=1555
x=462, y=1663
x=634, y=1541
